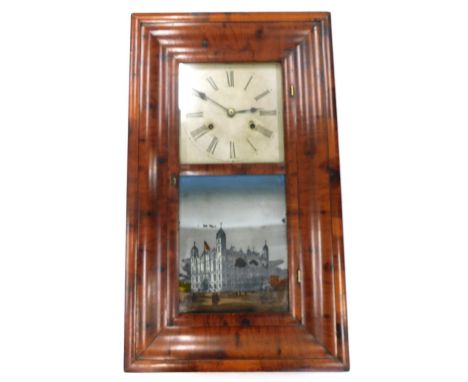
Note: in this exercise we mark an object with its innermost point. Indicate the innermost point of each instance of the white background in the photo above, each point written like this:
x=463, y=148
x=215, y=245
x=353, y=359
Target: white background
x=401, y=75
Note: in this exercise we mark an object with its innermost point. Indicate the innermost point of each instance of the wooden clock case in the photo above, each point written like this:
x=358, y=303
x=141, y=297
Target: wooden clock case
x=313, y=334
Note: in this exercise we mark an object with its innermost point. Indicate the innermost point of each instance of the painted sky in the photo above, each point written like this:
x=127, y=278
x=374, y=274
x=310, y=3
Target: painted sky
x=235, y=201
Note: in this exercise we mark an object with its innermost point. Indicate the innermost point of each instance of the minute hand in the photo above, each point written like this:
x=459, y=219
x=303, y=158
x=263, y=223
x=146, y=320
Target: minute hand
x=204, y=97
x=251, y=110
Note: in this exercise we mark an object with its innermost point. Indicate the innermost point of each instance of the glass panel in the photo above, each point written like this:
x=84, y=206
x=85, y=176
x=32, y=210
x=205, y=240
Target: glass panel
x=232, y=244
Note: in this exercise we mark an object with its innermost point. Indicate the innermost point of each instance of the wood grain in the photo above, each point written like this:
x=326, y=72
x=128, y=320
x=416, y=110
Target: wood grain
x=313, y=334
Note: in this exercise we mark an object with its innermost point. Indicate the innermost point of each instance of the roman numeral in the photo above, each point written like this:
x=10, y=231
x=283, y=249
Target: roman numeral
x=263, y=130
x=251, y=145
x=197, y=114
x=212, y=146
x=248, y=82
x=230, y=78
x=232, y=150
x=212, y=83
x=267, y=112
x=262, y=95
x=199, y=132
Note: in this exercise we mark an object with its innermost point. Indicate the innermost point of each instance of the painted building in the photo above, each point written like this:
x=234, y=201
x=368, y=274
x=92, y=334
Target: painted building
x=228, y=270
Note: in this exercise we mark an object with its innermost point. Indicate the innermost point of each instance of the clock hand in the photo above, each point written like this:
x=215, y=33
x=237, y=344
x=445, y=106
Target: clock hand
x=251, y=110
x=204, y=97
x=200, y=94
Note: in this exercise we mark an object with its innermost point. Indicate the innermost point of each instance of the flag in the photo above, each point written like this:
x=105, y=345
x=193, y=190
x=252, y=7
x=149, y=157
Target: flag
x=206, y=247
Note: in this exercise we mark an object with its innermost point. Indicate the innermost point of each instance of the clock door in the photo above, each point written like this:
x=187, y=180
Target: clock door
x=231, y=113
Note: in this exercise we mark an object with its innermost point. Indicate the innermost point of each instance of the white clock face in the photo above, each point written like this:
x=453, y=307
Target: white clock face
x=231, y=113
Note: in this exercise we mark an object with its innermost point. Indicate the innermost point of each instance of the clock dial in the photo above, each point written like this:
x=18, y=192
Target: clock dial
x=231, y=113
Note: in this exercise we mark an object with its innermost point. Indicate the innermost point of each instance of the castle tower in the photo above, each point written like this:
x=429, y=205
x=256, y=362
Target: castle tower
x=194, y=268
x=265, y=255
x=220, y=256
x=194, y=250
x=221, y=242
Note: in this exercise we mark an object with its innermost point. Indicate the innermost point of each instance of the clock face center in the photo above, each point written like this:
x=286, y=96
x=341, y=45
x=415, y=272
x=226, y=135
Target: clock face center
x=231, y=112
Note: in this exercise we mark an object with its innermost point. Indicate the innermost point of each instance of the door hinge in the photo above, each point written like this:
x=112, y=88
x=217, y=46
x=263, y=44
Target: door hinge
x=292, y=91
x=299, y=276
x=173, y=180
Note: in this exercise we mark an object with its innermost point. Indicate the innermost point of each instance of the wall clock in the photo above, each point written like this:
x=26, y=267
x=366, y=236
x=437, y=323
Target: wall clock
x=234, y=231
